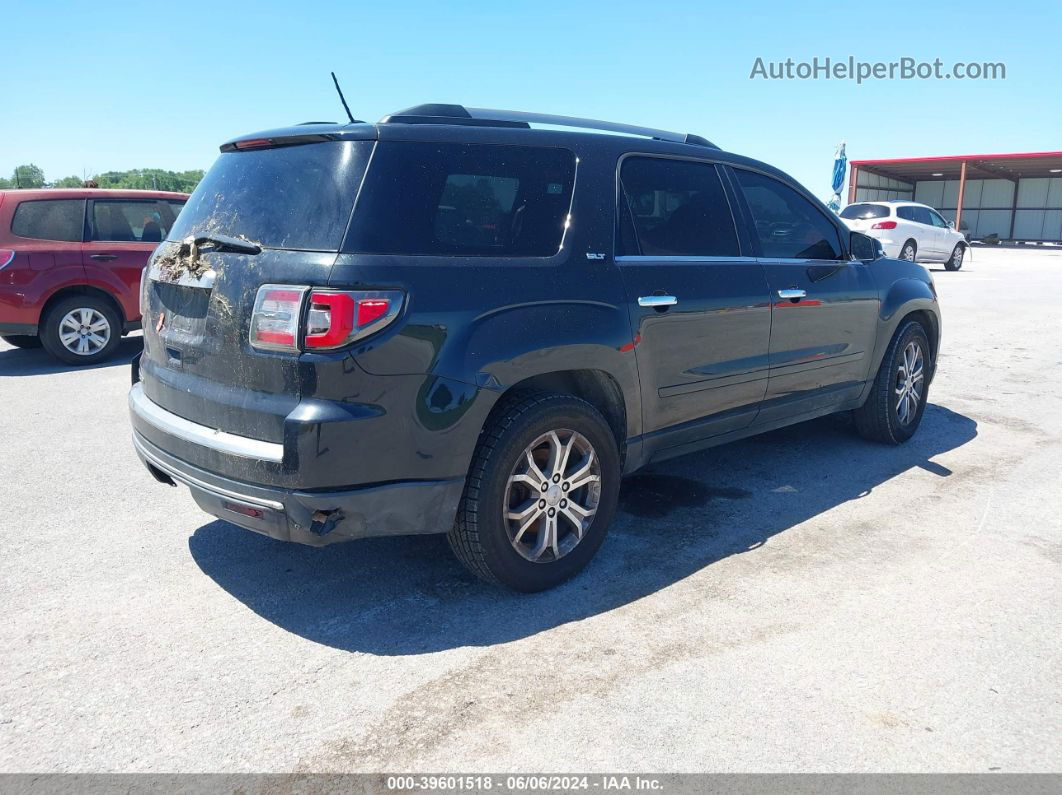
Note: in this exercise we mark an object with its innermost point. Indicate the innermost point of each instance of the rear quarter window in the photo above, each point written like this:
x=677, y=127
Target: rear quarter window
x=50, y=219
x=478, y=200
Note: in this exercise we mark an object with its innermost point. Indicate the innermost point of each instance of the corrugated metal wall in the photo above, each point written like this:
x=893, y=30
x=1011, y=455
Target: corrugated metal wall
x=986, y=206
x=871, y=187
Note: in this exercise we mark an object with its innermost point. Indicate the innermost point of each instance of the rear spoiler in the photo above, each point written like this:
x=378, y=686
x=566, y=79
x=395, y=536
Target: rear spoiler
x=308, y=133
x=275, y=142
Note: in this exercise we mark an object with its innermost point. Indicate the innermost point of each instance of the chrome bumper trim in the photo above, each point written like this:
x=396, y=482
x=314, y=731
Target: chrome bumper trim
x=168, y=422
x=192, y=482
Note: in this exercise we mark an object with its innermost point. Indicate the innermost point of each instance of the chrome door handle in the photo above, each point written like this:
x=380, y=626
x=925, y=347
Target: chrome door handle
x=103, y=256
x=793, y=295
x=657, y=300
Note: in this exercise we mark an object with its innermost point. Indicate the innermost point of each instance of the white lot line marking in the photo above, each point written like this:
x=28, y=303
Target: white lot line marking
x=961, y=546
x=988, y=507
x=969, y=539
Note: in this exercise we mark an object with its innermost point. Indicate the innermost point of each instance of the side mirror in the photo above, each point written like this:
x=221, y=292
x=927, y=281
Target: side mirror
x=951, y=224
x=865, y=247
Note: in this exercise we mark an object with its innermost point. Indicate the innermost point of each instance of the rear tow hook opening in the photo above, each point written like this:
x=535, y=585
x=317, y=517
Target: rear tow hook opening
x=324, y=522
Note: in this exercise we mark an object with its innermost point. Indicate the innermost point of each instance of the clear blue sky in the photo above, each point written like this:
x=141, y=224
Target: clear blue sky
x=109, y=85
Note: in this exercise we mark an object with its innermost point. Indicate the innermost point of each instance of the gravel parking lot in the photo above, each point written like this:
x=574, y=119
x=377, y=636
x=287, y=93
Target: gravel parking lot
x=802, y=601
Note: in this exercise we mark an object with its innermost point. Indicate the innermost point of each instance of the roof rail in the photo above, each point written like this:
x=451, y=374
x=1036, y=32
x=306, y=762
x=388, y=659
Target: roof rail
x=457, y=114
x=587, y=124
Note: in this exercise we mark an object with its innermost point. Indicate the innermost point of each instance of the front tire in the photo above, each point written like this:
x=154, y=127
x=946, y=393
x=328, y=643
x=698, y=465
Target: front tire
x=540, y=495
x=81, y=330
x=22, y=341
x=898, y=398
x=957, y=255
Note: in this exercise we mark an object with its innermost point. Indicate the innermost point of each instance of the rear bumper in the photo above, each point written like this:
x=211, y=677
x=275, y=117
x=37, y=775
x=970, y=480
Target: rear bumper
x=144, y=410
x=309, y=517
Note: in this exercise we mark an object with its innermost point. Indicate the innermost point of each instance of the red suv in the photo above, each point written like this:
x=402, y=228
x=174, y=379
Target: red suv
x=70, y=265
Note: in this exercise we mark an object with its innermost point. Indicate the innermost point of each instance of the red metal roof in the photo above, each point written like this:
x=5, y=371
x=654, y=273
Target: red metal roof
x=1001, y=166
x=958, y=158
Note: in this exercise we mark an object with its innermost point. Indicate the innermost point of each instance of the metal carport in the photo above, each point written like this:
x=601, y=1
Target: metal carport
x=1013, y=196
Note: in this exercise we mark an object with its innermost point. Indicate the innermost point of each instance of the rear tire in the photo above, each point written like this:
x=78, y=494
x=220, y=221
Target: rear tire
x=898, y=397
x=510, y=530
x=22, y=341
x=81, y=330
x=957, y=256
x=909, y=251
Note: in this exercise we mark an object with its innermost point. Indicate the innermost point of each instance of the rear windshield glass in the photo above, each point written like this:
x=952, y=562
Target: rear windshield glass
x=464, y=200
x=861, y=212
x=293, y=197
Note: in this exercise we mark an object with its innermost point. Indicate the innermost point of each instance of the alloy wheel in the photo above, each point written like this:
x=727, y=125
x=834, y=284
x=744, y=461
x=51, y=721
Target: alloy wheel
x=552, y=495
x=84, y=331
x=908, y=253
x=910, y=380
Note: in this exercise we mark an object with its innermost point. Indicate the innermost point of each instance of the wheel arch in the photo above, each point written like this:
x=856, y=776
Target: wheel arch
x=931, y=323
x=83, y=289
x=907, y=299
x=597, y=387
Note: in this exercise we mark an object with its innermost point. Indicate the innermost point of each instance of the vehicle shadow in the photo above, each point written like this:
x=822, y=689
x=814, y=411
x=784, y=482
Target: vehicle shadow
x=398, y=596
x=35, y=361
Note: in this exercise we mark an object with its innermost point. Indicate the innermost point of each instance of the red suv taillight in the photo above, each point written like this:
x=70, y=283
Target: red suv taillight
x=884, y=225
x=334, y=318
x=6, y=256
x=337, y=318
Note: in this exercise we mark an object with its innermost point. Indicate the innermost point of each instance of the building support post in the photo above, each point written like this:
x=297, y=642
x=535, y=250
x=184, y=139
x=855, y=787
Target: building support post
x=962, y=194
x=852, y=183
x=1014, y=211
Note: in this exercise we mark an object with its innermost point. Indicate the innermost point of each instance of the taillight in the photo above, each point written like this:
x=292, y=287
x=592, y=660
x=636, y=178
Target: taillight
x=6, y=256
x=275, y=317
x=254, y=143
x=884, y=225
x=143, y=291
x=337, y=318
x=334, y=318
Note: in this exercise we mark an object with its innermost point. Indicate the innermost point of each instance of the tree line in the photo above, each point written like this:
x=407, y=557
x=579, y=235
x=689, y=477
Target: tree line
x=31, y=176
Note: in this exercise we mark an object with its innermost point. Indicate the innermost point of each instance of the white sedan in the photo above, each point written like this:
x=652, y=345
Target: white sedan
x=908, y=230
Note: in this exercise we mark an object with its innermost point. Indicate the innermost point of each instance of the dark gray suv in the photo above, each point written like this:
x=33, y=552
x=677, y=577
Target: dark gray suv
x=452, y=322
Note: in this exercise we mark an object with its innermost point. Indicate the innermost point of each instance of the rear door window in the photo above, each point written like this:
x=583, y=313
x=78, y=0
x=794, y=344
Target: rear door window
x=472, y=200
x=678, y=208
x=906, y=213
x=864, y=212
x=920, y=215
x=50, y=219
x=788, y=226
x=131, y=220
x=289, y=197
